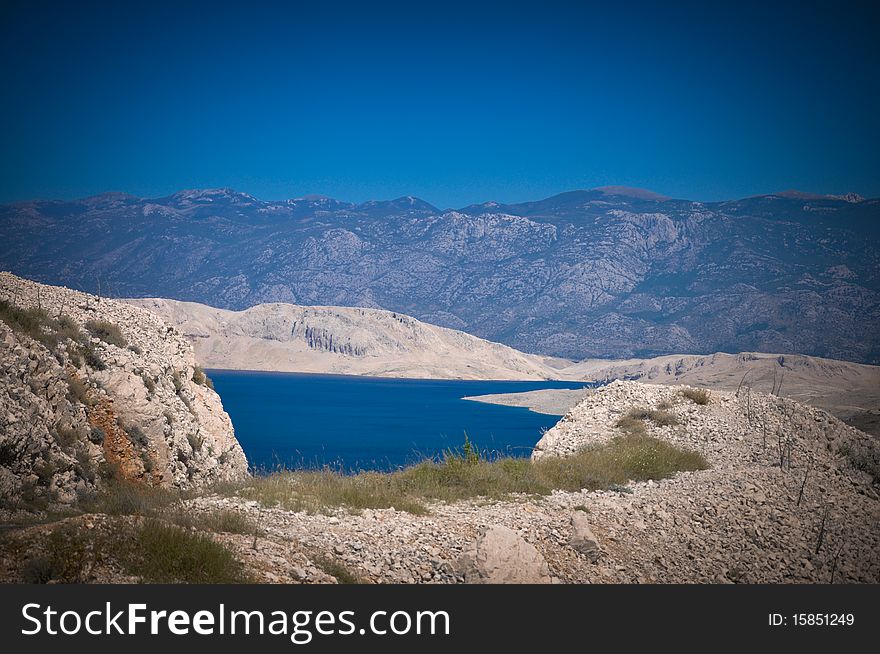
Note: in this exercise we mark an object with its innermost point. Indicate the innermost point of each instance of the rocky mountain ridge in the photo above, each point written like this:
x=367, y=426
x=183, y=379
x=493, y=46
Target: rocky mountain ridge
x=602, y=273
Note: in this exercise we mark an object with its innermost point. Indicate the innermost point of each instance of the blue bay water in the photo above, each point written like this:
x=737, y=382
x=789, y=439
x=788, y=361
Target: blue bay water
x=371, y=423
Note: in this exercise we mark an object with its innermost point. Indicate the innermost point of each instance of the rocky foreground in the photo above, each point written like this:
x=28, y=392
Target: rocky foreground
x=92, y=390
x=791, y=496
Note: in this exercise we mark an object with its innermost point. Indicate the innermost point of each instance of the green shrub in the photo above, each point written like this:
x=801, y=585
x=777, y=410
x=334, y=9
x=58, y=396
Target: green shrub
x=107, y=332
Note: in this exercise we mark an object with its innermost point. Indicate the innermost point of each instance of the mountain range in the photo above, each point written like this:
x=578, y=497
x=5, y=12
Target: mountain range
x=611, y=272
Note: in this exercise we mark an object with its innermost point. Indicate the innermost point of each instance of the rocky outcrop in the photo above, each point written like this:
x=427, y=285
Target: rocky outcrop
x=92, y=389
x=582, y=537
x=501, y=556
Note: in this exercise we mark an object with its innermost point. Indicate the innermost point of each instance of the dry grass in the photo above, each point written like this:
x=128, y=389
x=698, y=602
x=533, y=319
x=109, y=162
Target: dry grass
x=659, y=417
x=107, y=332
x=630, y=457
x=696, y=395
x=158, y=552
x=200, y=378
x=337, y=569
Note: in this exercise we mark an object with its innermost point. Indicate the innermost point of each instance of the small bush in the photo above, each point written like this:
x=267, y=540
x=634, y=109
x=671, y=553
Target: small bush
x=91, y=358
x=45, y=470
x=107, y=332
x=696, y=395
x=137, y=436
x=66, y=437
x=67, y=328
x=97, y=435
x=195, y=441
x=863, y=457
x=200, y=378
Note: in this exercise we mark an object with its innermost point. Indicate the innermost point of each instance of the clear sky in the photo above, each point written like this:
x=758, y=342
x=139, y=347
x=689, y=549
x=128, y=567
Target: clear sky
x=453, y=102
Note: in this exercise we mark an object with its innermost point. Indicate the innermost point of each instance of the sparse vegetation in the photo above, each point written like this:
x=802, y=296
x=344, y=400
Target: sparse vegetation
x=152, y=550
x=630, y=457
x=337, y=569
x=136, y=435
x=107, y=332
x=65, y=560
x=862, y=457
x=195, y=441
x=149, y=384
x=78, y=392
x=91, y=358
x=35, y=323
x=159, y=552
x=121, y=497
x=200, y=378
x=696, y=395
x=659, y=417
x=65, y=436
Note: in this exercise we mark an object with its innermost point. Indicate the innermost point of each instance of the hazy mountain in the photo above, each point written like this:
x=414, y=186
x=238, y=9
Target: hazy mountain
x=611, y=272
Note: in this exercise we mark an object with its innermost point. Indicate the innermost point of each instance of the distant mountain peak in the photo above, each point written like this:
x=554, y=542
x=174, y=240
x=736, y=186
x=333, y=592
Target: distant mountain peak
x=793, y=194
x=211, y=195
x=631, y=192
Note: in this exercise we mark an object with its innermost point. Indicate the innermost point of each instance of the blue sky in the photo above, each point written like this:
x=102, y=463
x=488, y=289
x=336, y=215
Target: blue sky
x=454, y=103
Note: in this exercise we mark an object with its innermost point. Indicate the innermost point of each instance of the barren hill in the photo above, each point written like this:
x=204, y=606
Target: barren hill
x=344, y=340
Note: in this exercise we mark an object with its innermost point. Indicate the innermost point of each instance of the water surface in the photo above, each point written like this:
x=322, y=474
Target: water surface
x=307, y=420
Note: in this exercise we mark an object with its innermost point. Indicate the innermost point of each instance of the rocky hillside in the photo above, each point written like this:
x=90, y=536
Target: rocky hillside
x=790, y=495
x=604, y=273
x=92, y=389
x=850, y=391
x=342, y=340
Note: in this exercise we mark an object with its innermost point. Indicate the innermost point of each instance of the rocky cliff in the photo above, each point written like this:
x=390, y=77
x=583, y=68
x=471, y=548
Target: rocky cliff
x=92, y=389
x=344, y=340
